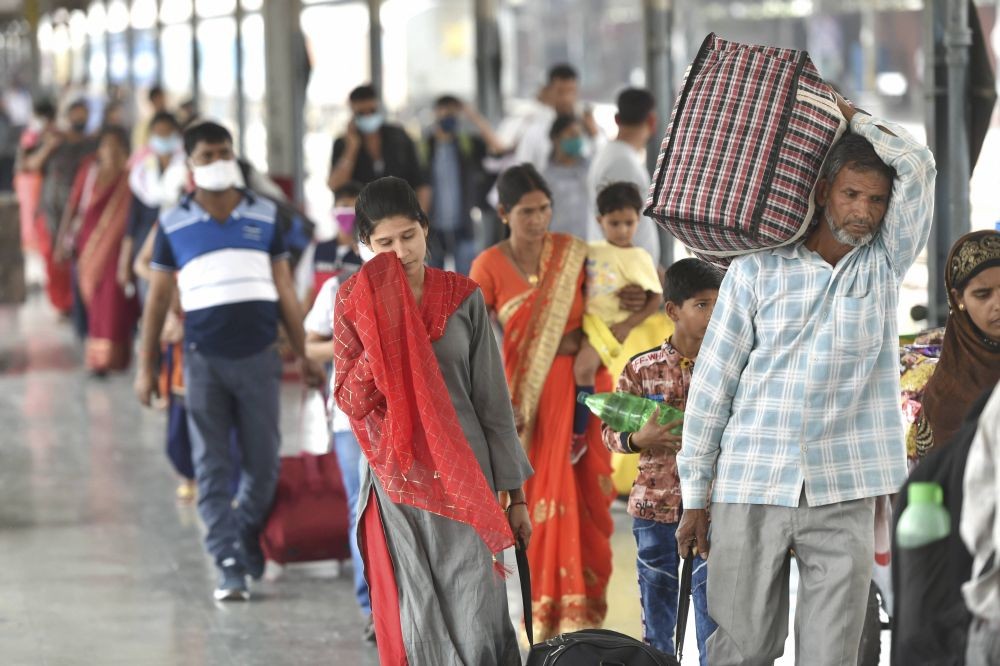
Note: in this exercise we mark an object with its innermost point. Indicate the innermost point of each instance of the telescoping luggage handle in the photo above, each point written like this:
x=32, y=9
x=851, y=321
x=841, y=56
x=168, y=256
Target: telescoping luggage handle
x=687, y=572
x=521, y=555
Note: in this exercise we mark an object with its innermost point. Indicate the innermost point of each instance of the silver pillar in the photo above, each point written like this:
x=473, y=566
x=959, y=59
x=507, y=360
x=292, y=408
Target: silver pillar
x=107, y=55
x=659, y=80
x=488, y=61
x=869, y=48
x=241, y=105
x=375, y=44
x=130, y=47
x=158, y=36
x=948, y=38
x=195, y=60
x=286, y=80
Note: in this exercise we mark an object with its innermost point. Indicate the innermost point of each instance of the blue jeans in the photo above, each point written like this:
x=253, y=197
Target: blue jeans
x=349, y=459
x=222, y=394
x=658, y=565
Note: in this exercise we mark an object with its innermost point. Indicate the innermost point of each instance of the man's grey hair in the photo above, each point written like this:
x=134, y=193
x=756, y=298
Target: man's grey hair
x=854, y=152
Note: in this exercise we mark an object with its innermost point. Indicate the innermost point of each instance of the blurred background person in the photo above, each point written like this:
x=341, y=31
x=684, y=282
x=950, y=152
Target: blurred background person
x=28, y=177
x=157, y=181
x=559, y=97
x=157, y=100
x=371, y=148
x=453, y=162
x=566, y=175
x=58, y=158
x=92, y=229
x=624, y=158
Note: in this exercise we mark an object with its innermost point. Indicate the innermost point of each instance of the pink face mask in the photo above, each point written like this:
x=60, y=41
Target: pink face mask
x=344, y=217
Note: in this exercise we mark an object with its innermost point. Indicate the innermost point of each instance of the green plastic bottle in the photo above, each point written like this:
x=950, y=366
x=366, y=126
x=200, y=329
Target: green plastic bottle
x=625, y=412
x=925, y=520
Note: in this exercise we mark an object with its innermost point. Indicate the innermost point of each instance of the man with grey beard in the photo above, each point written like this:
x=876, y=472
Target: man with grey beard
x=792, y=427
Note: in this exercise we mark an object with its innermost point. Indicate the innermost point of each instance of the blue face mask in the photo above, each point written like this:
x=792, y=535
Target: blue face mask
x=448, y=124
x=370, y=123
x=573, y=146
x=164, y=145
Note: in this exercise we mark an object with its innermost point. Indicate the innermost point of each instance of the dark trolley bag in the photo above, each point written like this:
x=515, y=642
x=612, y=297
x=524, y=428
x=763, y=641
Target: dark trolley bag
x=589, y=647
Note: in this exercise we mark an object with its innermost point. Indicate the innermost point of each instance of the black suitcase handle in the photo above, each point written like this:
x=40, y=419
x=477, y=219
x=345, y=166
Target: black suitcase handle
x=521, y=555
x=684, y=605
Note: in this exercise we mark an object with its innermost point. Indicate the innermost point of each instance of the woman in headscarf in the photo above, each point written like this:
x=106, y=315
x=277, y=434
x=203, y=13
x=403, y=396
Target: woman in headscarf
x=970, y=351
x=99, y=204
x=418, y=372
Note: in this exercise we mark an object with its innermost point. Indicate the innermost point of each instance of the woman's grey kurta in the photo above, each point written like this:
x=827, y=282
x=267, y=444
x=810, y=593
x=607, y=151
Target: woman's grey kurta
x=453, y=605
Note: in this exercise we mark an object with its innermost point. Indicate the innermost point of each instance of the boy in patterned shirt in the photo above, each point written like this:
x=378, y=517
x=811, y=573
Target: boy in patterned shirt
x=664, y=374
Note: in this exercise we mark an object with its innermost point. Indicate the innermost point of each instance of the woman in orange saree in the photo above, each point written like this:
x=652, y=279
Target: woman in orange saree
x=533, y=282
x=100, y=201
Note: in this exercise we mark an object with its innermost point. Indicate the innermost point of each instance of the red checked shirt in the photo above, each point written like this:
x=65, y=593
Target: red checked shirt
x=659, y=374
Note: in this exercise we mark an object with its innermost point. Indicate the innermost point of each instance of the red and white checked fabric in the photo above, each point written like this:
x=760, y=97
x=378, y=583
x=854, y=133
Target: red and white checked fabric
x=742, y=154
x=389, y=383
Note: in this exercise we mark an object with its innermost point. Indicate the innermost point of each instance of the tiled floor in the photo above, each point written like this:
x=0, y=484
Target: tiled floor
x=98, y=563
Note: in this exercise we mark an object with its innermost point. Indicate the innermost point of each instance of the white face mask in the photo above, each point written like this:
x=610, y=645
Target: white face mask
x=218, y=176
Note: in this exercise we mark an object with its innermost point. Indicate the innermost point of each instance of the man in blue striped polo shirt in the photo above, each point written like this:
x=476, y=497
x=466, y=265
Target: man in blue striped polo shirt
x=224, y=247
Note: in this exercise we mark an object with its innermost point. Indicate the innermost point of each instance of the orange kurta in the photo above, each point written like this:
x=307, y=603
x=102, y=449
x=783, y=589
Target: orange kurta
x=570, y=551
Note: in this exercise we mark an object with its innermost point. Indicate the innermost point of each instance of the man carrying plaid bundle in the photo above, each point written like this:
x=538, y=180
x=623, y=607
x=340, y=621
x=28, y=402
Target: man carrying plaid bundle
x=792, y=420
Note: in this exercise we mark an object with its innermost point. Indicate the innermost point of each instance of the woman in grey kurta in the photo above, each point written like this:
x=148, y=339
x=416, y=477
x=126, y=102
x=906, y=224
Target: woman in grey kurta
x=452, y=604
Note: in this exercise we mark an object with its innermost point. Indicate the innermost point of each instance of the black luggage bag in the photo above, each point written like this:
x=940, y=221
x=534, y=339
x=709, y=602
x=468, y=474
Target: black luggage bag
x=597, y=647
x=589, y=647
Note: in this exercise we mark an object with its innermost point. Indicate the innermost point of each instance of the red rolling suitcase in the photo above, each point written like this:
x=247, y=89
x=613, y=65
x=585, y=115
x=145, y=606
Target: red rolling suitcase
x=309, y=519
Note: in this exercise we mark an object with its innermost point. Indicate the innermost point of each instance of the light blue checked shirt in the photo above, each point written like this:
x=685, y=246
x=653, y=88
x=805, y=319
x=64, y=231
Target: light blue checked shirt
x=797, y=380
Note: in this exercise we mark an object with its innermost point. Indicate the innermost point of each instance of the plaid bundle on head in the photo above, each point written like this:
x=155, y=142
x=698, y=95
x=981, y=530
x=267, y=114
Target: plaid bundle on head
x=741, y=156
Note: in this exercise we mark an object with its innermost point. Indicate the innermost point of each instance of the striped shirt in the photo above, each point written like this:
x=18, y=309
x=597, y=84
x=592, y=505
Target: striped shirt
x=797, y=384
x=224, y=276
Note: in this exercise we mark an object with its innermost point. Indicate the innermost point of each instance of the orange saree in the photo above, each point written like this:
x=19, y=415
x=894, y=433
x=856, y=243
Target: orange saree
x=570, y=551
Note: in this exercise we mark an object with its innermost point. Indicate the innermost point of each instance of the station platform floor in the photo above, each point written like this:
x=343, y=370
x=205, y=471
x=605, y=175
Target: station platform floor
x=100, y=565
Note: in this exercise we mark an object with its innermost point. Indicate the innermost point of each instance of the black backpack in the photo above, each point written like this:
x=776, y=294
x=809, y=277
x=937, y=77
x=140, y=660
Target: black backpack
x=588, y=647
x=597, y=647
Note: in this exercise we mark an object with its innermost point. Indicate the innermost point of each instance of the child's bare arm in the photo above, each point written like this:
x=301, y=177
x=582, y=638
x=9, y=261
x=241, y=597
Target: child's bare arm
x=653, y=303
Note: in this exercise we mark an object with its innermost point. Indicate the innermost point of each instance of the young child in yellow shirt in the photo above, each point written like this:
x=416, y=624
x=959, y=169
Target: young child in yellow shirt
x=611, y=264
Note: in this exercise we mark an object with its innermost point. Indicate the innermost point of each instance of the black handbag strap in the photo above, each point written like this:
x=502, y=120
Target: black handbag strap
x=687, y=571
x=521, y=555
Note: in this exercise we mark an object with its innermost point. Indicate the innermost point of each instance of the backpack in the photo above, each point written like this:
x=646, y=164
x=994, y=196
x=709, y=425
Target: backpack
x=588, y=647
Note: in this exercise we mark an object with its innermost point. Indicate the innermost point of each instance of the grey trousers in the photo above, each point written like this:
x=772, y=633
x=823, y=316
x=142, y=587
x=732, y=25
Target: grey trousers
x=983, y=648
x=220, y=393
x=749, y=562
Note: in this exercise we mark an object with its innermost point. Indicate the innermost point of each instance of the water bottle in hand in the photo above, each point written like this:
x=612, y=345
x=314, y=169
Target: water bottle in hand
x=625, y=412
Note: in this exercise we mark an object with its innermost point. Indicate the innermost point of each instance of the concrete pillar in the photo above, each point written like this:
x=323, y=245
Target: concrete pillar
x=869, y=48
x=375, y=44
x=948, y=39
x=195, y=60
x=12, y=287
x=158, y=36
x=241, y=105
x=286, y=79
x=107, y=54
x=489, y=99
x=32, y=13
x=659, y=80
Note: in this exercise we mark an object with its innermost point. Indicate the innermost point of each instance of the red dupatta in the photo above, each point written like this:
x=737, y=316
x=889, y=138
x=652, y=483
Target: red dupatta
x=104, y=210
x=389, y=383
